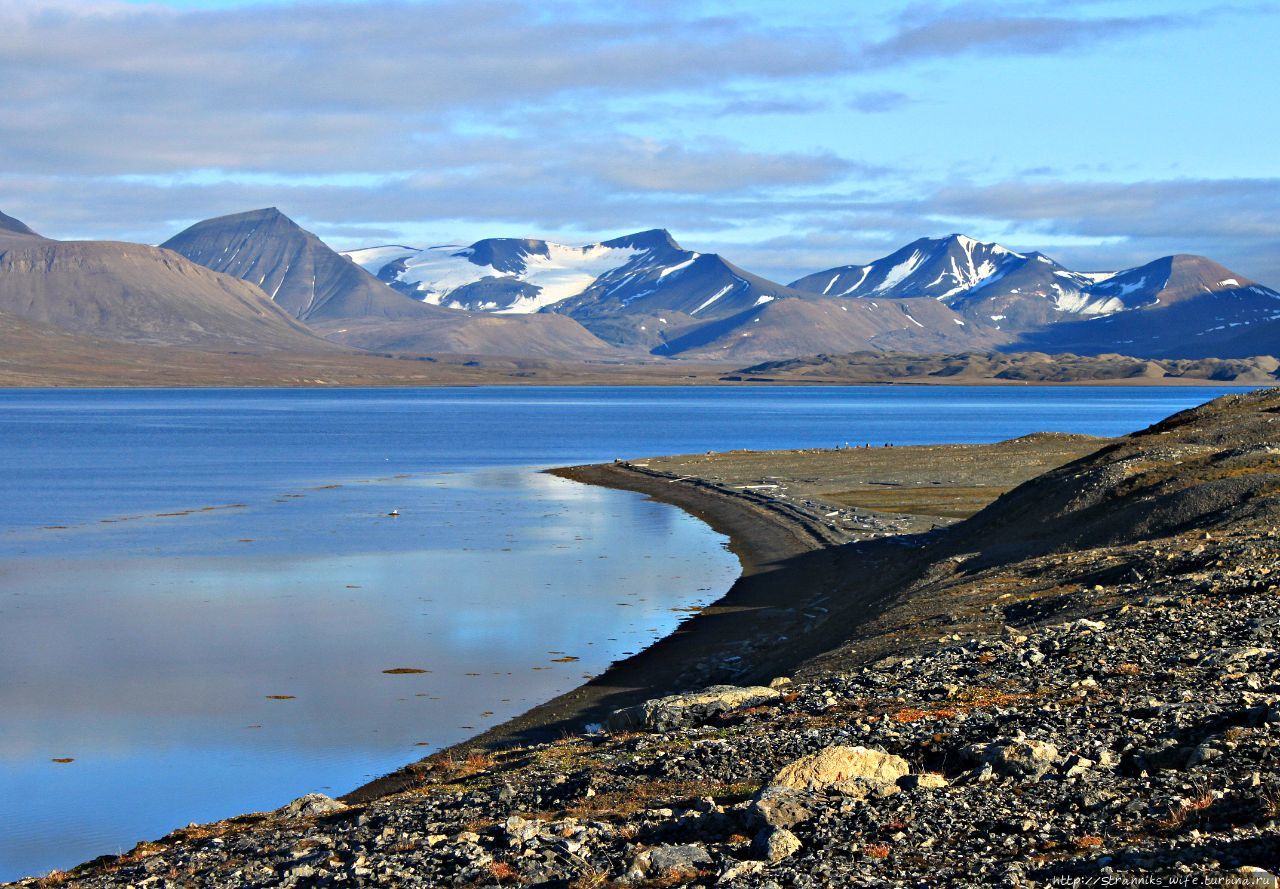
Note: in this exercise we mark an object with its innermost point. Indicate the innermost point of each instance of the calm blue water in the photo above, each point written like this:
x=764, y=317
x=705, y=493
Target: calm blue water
x=169, y=560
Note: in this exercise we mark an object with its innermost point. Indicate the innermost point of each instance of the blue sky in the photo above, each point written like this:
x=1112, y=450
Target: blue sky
x=790, y=136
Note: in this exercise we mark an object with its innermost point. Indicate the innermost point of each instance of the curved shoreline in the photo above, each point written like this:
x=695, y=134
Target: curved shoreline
x=784, y=555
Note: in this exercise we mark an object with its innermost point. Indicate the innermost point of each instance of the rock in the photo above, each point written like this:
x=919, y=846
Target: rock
x=982, y=774
x=922, y=781
x=693, y=708
x=1201, y=755
x=1016, y=757
x=854, y=771
x=311, y=805
x=780, y=682
x=776, y=843
x=1076, y=765
x=780, y=807
x=668, y=862
x=1235, y=655
x=740, y=870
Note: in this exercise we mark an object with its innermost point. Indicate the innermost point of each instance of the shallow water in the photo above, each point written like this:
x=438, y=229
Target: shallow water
x=201, y=589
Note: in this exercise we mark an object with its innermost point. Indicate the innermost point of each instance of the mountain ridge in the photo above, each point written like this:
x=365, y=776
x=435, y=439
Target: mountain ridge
x=135, y=293
x=293, y=267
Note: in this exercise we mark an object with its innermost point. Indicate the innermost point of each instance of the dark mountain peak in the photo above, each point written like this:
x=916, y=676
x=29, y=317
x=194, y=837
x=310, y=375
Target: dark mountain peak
x=266, y=213
x=262, y=223
x=11, y=226
x=654, y=238
x=1170, y=279
x=505, y=254
x=1188, y=262
x=292, y=266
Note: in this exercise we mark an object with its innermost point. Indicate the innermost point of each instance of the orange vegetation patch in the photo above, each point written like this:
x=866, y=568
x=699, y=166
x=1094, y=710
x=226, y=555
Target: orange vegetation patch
x=915, y=714
x=500, y=871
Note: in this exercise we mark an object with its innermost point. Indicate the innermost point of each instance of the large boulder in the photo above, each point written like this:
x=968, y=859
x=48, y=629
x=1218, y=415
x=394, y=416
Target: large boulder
x=311, y=805
x=1016, y=757
x=853, y=771
x=776, y=843
x=692, y=708
x=780, y=807
x=672, y=862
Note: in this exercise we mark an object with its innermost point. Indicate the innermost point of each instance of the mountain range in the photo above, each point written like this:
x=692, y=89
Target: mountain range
x=259, y=281
x=344, y=303
x=940, y=294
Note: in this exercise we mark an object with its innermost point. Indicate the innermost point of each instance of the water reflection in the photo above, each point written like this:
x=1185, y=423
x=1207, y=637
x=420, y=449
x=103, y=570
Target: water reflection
x=254, y=658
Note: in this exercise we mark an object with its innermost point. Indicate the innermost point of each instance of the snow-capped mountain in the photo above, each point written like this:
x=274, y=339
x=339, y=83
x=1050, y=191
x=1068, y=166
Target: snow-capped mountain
x=639, y=275
x=942, y=268
x=986, y=282
x=639, y=290
x=344, y=303
x=1177, y=306
x=1172, y=279
x=510, y=275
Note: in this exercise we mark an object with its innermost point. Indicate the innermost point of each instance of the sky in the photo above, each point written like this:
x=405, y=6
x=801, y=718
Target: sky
x=789, y=135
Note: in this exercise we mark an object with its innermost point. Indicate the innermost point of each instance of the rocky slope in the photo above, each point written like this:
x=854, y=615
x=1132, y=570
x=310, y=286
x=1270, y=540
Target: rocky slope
x=467, y=333
x=790, y=327
x=1082, y=682
x=137, y=294
x=292, y=266
x=1011, y=367
x=10, y=227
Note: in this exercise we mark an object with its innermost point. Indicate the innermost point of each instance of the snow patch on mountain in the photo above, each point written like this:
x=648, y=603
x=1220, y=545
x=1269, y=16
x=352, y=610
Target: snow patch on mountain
x=373, y=259
x=553, y=272
x=715, y=296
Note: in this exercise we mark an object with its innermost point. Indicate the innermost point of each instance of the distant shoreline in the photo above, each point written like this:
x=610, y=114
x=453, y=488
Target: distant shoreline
x=605, y=382
x=81, y=363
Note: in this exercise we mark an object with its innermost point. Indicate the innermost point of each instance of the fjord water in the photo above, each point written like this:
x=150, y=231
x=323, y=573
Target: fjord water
x=200, y=590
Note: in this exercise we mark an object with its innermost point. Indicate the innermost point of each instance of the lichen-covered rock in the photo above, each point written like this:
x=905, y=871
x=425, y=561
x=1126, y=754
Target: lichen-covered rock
x=780, y=807
x=776, y=843
x=1016, y=757
x=692, y=708
x=924, y=781
x=854, y=771
x=310, y=805
x=668, y=862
